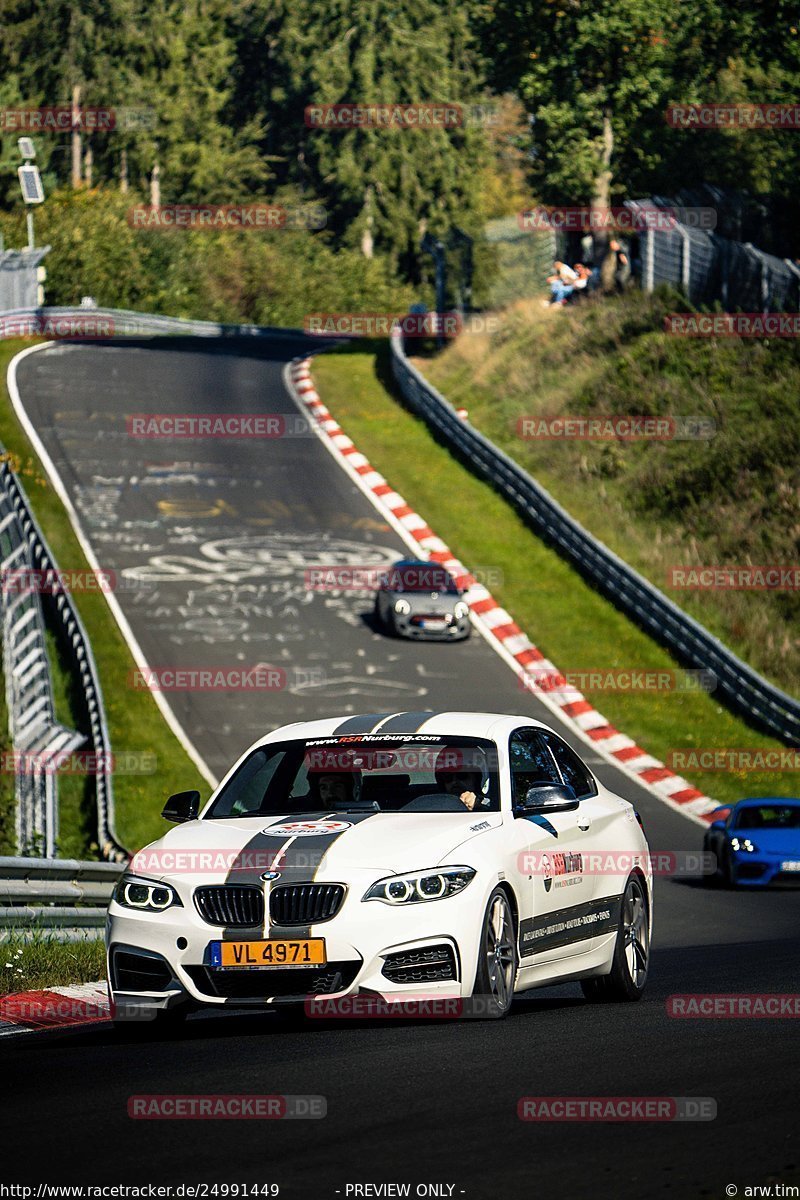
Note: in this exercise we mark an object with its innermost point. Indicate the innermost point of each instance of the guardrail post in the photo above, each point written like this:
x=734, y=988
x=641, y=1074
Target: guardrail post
x=686, y=260
x=648, y=275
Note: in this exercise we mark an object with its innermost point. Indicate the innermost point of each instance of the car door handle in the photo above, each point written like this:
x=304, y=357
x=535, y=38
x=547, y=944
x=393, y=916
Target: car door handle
x=584, y=823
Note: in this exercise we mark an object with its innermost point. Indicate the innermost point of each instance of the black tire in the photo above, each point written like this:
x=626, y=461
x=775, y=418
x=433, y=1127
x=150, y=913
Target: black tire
x=709, y=880
x=628, y=976
x=726, y=866
x=497, y=960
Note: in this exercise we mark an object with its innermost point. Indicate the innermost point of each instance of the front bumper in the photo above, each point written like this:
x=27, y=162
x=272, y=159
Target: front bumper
x=422, y=951
x=452, y=630
x=765, y=870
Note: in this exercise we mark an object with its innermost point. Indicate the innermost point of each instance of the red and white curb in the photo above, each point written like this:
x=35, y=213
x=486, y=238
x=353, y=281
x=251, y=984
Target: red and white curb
x=54, y=1008
x=537, y=673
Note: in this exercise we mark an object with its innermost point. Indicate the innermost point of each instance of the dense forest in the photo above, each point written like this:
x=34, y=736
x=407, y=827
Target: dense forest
x=561, y=101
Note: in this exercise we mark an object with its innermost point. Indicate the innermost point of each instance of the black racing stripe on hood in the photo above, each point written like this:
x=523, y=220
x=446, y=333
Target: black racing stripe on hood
x=406, y=722
x=298, y=865
x=364, y=723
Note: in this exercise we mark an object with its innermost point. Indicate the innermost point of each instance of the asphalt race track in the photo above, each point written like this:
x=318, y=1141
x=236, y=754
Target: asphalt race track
x=213, y=539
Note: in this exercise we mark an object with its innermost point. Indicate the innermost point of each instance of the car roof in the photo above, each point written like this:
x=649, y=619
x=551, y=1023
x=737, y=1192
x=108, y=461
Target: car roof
x=448, y=724
x=766, y=800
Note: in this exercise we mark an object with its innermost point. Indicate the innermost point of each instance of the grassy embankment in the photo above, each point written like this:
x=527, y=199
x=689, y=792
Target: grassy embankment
x=572, y=624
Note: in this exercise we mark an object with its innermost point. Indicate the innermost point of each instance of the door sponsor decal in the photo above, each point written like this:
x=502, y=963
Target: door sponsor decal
x=567, y=925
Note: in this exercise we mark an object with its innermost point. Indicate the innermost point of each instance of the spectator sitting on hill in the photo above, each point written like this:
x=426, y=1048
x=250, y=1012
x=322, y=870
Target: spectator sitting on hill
x=562, y=284
x=584, y=281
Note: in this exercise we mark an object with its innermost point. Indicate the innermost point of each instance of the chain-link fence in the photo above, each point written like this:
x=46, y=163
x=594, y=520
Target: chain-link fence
x=711, y=269
x=523, y=260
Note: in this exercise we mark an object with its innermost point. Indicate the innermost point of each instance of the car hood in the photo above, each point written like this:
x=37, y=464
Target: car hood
x=773, y=841
x=239, y=849
x=426, y=602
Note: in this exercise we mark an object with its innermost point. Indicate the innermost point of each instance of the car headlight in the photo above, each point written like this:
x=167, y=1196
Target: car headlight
x=743, y=844
x=402, y=606
x=461, y=610
x=417, y=886
x=145, y=894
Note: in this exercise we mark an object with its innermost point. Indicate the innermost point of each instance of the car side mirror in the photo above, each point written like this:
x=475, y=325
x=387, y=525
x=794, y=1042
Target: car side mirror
x=183, y=806
x=717, y=825
x=549, y=799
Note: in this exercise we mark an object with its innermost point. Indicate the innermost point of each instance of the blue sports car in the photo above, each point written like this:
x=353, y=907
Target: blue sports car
x=756, y=842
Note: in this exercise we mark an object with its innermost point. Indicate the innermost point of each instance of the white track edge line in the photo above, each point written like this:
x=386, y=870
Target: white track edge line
x=124, y=627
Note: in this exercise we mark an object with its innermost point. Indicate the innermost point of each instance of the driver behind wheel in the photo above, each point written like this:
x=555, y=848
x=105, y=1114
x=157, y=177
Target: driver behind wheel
x=467, y=783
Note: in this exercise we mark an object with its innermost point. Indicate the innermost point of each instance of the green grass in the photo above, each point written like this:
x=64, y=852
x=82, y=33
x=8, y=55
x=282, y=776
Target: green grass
x=571, y=624
x=134, y=721
x=77, y=817
x=43, y=962
x=732, y=499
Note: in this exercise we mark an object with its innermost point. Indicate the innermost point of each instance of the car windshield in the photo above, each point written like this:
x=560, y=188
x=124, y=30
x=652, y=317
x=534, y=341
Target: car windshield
x=399, y=774
x=768, y=816
x=414, y=578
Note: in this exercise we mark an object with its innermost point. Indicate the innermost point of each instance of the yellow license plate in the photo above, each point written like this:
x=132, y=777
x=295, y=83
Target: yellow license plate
x=274, y=952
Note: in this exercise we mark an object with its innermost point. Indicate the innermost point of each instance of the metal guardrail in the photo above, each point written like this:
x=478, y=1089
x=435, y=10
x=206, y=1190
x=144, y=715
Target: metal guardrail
x=77, y=644
x=742, y=688
x=61, y=899
x=76, y=321
x=37, y=737
x=36, y=790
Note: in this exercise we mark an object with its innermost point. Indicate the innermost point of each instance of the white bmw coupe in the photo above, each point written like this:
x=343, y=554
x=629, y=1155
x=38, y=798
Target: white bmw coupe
x=397, y=857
